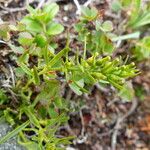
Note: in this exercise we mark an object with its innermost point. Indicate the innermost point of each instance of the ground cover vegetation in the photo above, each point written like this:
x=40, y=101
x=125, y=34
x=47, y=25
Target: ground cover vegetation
x=34, y=104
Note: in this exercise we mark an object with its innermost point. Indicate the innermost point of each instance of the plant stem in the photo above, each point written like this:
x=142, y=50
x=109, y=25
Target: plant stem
x=84, y=54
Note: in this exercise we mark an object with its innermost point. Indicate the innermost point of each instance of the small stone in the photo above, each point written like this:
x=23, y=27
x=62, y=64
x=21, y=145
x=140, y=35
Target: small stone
x=66, y=8
x=65, y=18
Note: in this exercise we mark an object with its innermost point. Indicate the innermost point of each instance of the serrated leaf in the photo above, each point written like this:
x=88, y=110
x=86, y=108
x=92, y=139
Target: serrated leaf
x=142, y=49
x=25, y=69
x=79, y=26
x=32, y=25
x=13, y=28
x=54, y=28
x=19, y=72
x=127, y=92
x=57, y=57
x=51, y=9
x=16, y=49
x=77, y=86
x=25, y=39
x=4, y=31
x=23, y=58
x=89, y=14
x=107, y=26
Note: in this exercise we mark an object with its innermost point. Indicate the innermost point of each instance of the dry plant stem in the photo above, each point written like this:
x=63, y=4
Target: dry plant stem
x=113, y=101
x=3, y=42
x=69, y=94
x=112, y=15
x=100, y=88
x=12, y=75
x=87, y=3
x=68, y=129
x=13, y=95
x=78, y=7
x=121, y=120
x=82, y=122
x=10, y=10
x=97, y=97
x=105, y=133
x=40, y=4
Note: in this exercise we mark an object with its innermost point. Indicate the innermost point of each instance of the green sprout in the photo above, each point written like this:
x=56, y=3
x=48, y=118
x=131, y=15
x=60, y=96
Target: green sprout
x=41, y=108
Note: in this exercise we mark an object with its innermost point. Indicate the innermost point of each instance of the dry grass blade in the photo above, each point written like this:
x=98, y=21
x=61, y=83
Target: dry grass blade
x=118, y=124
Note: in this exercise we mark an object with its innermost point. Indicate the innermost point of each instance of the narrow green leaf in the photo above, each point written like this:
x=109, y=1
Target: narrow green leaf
x=134, y=35
x=75, y=88
x=36, y=76
x=14, y=132
x=31, y=116
x=58, y=56
x=58, y=102
x=25, y=69
x=52, y=112
x=31, y=10
x=45, y=54
x=23, y=58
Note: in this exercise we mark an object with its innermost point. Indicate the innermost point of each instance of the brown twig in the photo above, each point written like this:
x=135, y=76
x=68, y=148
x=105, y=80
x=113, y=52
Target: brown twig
x=119, y=121
x=10, y=10
x=41, y=3
x=78, y=6
x=82, y=122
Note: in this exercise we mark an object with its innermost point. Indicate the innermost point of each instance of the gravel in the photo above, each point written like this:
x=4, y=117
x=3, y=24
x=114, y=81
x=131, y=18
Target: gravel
x=11, y=144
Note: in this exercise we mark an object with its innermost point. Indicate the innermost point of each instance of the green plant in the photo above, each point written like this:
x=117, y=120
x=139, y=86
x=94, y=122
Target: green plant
x=3, y=97
x=137, y=10
x=41, y=72
x=139, y=14
x=142, y=49
x=94, y=33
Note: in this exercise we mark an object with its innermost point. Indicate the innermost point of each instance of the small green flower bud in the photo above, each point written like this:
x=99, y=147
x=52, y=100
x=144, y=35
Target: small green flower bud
x=99, y=75
x=90, y=60
x=103, y=60
x=115, y=78
x=68, y=64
